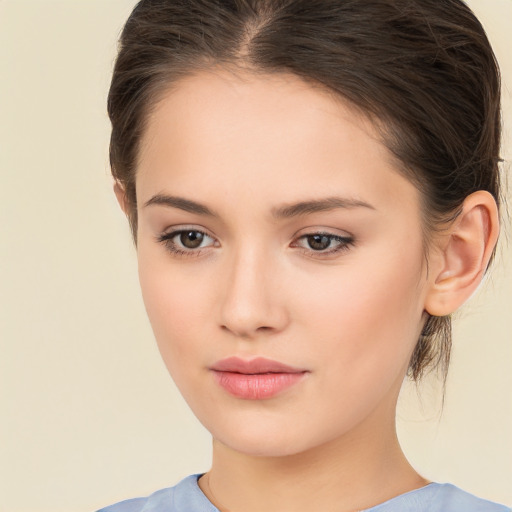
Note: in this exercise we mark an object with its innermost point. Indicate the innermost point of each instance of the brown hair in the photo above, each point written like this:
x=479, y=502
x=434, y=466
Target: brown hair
x=422, y=69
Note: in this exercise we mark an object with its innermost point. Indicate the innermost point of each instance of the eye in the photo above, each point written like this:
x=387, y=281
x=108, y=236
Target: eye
x=186, y=241
x=324, y=243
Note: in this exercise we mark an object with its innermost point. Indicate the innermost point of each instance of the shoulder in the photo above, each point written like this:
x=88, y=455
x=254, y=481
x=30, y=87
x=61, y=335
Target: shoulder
x=449, y=498
x=437, y=497
x=163, y=498
x=186, y=496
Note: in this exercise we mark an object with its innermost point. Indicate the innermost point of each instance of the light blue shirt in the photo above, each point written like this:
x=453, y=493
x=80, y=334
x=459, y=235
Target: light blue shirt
x=188, y=497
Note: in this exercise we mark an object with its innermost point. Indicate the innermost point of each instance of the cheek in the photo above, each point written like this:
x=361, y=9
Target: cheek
x=370, y=319
x=176, y=304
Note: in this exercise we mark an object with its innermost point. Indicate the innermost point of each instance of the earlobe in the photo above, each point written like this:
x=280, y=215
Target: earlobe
x=121, y=197
x=467, y=248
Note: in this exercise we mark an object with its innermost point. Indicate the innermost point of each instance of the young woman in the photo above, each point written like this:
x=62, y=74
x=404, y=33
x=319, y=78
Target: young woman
x=313, y=188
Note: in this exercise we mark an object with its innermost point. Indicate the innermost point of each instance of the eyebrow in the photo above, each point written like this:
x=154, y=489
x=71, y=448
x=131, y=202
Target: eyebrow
x=181, y=203
x=283, y=212
x=319, y=205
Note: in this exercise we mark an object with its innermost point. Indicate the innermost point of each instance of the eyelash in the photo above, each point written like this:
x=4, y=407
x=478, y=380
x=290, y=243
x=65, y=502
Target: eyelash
x=345, y=242
x=167, y=240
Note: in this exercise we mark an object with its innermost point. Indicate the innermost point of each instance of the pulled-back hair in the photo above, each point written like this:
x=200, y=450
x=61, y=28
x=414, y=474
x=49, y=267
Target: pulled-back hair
x=422, y=70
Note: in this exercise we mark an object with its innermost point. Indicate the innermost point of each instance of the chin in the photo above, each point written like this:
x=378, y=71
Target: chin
x=271, y=439
x=262, y=446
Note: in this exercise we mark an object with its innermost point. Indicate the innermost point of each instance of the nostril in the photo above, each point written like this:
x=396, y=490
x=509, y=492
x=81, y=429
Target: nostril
x=246, y=333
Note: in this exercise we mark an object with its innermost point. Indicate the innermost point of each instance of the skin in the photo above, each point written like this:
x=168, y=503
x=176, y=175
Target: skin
x=246, y=147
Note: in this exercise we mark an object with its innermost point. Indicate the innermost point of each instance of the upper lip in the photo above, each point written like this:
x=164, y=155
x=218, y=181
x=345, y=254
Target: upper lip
x=253, y=366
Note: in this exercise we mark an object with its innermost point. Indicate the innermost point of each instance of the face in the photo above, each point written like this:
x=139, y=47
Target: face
x=281, y=260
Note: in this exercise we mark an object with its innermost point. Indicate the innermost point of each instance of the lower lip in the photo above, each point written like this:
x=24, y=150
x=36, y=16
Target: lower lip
x=257, y=386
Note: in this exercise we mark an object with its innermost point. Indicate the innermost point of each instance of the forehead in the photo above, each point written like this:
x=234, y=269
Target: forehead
x=216, y=105
x=271, y=137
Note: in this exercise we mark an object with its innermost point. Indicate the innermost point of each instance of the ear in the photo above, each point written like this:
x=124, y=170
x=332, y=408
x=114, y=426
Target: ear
x=121, y=197
x=464, y=254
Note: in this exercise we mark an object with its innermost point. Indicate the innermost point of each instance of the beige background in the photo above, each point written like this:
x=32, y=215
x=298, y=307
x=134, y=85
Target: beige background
x=88, y=413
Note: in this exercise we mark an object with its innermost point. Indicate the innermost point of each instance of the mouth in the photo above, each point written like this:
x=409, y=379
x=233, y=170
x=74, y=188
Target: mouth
x=256, y=379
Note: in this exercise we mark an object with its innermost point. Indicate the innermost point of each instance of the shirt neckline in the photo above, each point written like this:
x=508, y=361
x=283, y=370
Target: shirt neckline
x=432, y=486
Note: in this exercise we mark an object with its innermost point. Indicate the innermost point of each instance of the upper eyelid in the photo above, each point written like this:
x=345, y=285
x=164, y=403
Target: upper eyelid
x=176, y=230
x=327, y=234
x=343, y=239
x=171, y=232
x=332, y=232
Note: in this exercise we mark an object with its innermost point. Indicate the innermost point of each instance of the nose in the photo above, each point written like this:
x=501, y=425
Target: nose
x=253, y=302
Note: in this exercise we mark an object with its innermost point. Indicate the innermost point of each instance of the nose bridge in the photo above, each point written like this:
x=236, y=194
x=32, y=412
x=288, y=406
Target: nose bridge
x=251, y=301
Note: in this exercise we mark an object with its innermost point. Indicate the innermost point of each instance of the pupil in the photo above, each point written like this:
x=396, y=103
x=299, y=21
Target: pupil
x=319, y=242
x=191, y=239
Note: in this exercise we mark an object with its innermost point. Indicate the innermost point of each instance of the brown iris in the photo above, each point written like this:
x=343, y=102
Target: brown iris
x=191, y=239
x=319, y=242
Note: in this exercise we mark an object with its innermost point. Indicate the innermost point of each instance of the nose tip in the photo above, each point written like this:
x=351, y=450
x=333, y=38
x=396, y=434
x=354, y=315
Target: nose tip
x=251, y=315
x=253, y=304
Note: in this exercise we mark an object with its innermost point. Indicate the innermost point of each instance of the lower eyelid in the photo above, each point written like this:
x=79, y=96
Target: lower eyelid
x=344, y=243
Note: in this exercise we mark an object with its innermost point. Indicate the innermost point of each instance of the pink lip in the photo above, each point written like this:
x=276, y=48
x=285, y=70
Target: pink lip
x=256, y=379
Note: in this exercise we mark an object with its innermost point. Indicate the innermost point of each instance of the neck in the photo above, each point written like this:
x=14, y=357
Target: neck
x=351, y=473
